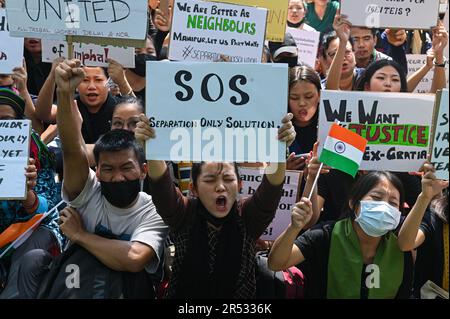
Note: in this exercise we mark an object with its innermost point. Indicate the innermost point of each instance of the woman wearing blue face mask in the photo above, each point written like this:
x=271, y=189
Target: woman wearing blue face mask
x=356, y=257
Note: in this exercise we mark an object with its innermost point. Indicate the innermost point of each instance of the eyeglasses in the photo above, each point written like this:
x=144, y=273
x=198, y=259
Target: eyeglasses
x=348, y=53
x=120, y=124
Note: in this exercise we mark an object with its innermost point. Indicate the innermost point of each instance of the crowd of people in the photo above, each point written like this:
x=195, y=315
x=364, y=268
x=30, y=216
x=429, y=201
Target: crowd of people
x=161, y=229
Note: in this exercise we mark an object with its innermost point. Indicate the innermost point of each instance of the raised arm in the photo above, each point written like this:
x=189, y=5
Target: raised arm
x=415, y=78
x=76, y=169
x=117, y=74
x=440, y=41
x=45, y=110
x=284, y=252
x=410, y=237
x=342, y=27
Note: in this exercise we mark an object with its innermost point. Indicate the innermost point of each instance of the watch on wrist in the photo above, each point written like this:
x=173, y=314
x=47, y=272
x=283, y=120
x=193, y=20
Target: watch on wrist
x=440, y=65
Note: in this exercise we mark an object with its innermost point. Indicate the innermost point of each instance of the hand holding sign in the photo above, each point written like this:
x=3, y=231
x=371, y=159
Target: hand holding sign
x=163, y=20
x=286, y=133
x=431, y=186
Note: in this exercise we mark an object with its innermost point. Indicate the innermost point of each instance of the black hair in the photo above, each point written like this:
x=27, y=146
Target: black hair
x=118, y=140
x=129, y=99
x=362, y=187
x=374, y=31
x=374, y=67
x=197, y=170
x=304, y=73
x=327, y=38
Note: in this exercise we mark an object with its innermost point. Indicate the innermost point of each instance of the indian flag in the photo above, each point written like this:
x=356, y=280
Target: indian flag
x=343, y=150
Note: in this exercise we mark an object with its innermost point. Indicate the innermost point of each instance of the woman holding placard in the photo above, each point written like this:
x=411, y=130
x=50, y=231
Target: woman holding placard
x=296, y=15
x=214, y=233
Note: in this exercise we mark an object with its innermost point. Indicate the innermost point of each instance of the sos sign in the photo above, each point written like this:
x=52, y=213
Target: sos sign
x=235, y=84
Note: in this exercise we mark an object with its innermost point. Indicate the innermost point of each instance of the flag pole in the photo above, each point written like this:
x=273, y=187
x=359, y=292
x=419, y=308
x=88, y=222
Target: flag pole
x=315, y=181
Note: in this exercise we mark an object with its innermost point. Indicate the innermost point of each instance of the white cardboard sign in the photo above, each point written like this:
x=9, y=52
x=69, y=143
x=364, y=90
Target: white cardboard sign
x=440, y=150
x=222, y=112
x=307, y=45
x=88, y=54
x=203, y=31
x=11, y=49
x=251, y=179
x=400, y=14
x=106, y=19
x=14, y=152
x=397, y=126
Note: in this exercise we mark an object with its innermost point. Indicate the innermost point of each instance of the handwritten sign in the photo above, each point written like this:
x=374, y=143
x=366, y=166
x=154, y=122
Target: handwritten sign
x=14, y=149
x=396, y=125
x=440, y=149
x=204, y=31
x=307, y=45
x=402, y=14
x=106, y=19
x=88, y=54
x=276, y=18
x=216, y=111
x=251, y=179
x=11, y=49
x=415, y=62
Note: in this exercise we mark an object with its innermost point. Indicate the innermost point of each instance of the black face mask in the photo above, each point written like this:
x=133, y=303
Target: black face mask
x=295, y=25
x=121, y=194
x=139, y=63
x=291, y=61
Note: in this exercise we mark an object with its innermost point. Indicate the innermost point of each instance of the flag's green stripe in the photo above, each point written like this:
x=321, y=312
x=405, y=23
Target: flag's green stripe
x=339, y=162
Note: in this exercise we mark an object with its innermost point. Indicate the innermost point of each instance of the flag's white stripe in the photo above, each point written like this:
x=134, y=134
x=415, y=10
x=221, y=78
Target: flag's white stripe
x=351, y=152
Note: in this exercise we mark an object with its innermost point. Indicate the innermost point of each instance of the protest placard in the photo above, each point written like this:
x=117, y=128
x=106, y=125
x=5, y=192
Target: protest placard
x=203, y=31
x=396, y=125
x=125, y=20
x=307, y=45
x=401, y=14
x=11, y=49
x=88, y=54
x=251, y=179
x=415, y=62
x=276, y=18
x=14, y=150
x=216, y=111
x=440, y=147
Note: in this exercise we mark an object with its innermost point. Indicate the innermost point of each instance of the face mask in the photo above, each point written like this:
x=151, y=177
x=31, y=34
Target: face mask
x=121, y=194
x=140, y=63
x=291, y=61
x=377, y=218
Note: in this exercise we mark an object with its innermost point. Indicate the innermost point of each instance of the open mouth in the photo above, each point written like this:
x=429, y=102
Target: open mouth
x=221, y=203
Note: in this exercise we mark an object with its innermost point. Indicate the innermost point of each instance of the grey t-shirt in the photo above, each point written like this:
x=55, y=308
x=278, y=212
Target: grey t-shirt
x=140, y=223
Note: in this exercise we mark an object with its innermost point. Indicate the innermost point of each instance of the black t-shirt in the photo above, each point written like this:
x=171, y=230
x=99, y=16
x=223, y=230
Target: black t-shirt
x=430, y=255
x=335, y=188
x=306, y=137
x=315, y=247
x=37, y=73
x=96, y=124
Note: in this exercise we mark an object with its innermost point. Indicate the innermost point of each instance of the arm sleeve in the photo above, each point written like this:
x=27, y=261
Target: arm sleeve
x=170, y=203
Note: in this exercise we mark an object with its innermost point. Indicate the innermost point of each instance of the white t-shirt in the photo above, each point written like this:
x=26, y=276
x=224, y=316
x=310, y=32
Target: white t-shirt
x=141, y=222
